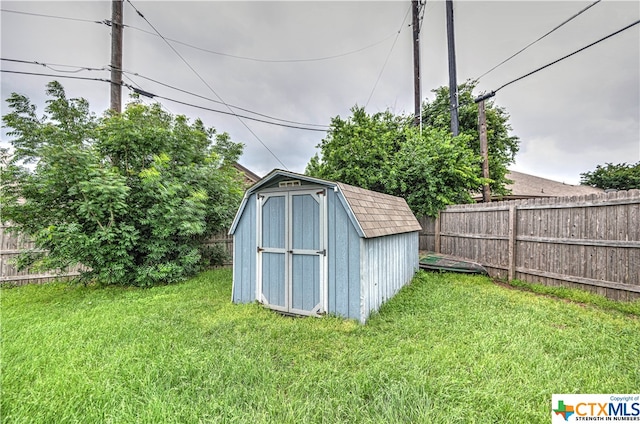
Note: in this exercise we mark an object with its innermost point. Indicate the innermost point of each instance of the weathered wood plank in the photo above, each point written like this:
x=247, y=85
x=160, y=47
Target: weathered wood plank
x=580, y=242
x=602, y=284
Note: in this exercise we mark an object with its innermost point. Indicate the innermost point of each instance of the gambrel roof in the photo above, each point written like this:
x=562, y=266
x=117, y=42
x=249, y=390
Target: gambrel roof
x=373, y=214
x=379, y=214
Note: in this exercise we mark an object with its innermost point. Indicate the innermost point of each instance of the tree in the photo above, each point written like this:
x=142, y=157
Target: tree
x=129, y=196
x=502, y=147
x=386, y=153
x=619, y=176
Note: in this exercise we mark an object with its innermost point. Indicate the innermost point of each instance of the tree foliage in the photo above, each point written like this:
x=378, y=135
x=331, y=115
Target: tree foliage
x=430, y=169
x=613, y=176
x=502, y=147
x=385, y=153
x=131, y=197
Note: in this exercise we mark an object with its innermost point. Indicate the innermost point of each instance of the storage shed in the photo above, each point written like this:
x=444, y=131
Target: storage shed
x=307, y=246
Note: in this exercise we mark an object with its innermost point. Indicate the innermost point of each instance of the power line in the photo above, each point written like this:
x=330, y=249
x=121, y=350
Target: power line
x=254, y=59
x=567, y=56
x=239, y=116
x=387, y=58
x=42, y=15
x=87, y=68
x=142, y=92
x=54, y=76
x=534, y=42
x=208, y=86
x=216, y=101
x=51, y=66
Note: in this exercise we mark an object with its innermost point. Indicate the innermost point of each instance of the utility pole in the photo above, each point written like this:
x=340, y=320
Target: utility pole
x=116, y=55
x=417, y=95
x=484, y=148
x=453, y=83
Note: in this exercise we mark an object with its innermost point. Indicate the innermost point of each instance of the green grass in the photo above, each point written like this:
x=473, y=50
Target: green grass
x=581, y=296
x=447, y=349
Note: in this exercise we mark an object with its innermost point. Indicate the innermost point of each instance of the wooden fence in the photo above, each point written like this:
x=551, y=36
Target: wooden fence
x=12, y=244
x=589, y=242
x=226, y=241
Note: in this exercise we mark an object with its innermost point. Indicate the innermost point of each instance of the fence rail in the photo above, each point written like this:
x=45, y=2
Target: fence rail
x=12, y=244
x=590, y=242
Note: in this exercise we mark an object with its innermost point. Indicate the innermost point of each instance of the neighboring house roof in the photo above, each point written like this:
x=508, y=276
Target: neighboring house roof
x=526, y=186
x=373, y=214
x=249, y=176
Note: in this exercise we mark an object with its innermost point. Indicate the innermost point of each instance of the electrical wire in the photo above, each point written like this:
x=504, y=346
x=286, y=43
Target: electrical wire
x=51, y=16
x=534, y=42
x=140, y=91
x=254, y=59
x=208, y=86
x=125, y=72
x=51, y=66
x=567, y=56
x=54, y=76
x=216, y=101
x=387, y=58
x=239, y=116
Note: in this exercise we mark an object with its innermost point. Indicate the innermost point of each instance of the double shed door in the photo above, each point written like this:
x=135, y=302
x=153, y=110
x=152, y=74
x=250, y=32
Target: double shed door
x=291, y=251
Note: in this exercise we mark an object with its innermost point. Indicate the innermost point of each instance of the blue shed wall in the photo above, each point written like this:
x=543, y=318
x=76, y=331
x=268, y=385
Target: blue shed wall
x=361, y=273
x=343, y=260
x=388, y=263
x=244, y=255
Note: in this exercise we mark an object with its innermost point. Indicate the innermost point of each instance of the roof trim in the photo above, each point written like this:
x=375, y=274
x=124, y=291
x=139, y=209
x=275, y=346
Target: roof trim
x=248, y=173
x=279, y=172
x=373, y=214
x=266, y=180
x=236, y=218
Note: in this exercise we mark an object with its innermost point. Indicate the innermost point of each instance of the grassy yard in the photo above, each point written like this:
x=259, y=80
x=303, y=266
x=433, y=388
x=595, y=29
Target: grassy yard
x=448, y=348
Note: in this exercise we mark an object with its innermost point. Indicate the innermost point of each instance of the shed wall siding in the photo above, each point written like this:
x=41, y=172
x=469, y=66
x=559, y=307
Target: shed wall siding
x=244, y=255
x=343, y=257
x=388, y=263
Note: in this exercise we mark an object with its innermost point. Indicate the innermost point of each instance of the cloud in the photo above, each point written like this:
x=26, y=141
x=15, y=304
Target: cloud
x=571, y=116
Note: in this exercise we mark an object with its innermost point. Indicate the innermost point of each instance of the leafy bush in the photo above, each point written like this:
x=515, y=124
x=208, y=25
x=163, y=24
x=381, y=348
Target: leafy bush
x=214, y=255
x=130, y=196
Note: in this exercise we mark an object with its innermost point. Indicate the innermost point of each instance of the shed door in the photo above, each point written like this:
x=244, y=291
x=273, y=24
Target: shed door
x=292, y=251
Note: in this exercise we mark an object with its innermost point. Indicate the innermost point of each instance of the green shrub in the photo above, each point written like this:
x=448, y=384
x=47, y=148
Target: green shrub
x=132, y=197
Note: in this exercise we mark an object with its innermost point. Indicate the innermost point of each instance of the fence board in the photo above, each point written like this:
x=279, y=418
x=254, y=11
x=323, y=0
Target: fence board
x=12, y=244
x=587, y=241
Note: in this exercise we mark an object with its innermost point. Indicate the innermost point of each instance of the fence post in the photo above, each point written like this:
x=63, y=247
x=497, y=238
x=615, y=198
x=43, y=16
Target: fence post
x=437, y=232
x=512, y=242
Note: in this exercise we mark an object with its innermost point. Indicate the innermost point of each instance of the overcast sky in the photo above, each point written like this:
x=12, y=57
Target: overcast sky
x=569, y=117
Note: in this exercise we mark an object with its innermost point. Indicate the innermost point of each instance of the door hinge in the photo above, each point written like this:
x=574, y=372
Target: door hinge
x=323, y=252
x=321, y=192
x=260, y=249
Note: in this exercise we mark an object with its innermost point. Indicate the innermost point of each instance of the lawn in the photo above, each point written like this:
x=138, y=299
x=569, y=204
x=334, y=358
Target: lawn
x=448, y=348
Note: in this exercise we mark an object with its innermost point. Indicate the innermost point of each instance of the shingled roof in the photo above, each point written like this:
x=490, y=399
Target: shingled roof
x=379, y=214
x=374, y=214
x=526, y=186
